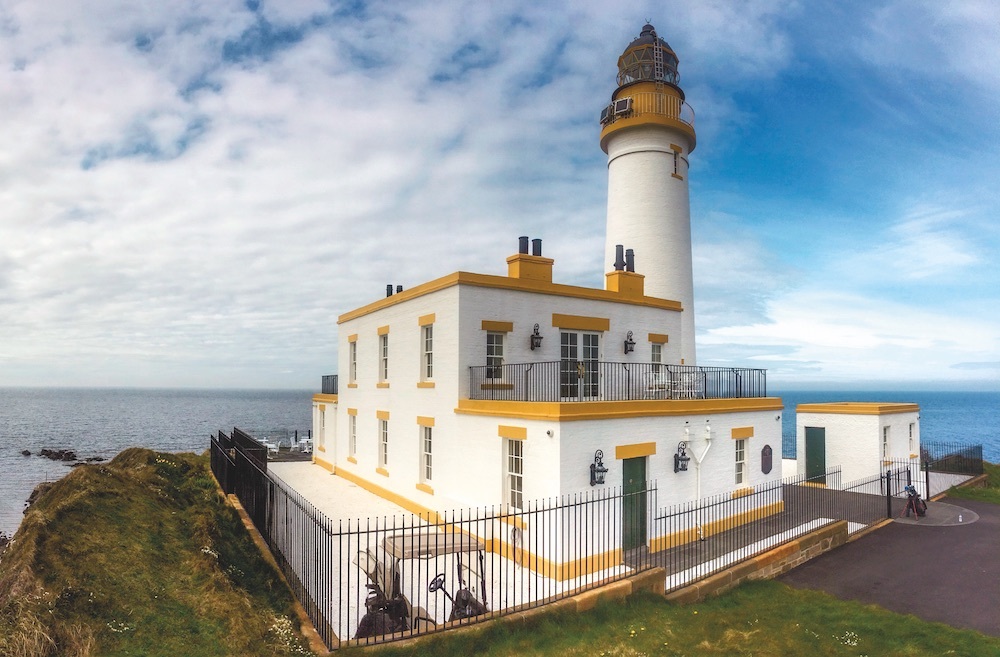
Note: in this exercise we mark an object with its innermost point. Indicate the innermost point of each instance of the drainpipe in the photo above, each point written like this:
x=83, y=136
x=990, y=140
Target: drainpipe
x=698, y=459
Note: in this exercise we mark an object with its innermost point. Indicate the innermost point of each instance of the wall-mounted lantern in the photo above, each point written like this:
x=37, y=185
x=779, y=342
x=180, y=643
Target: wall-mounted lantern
x=629, y=343
x=597, y=469
x=681, y=458
x=536, y=339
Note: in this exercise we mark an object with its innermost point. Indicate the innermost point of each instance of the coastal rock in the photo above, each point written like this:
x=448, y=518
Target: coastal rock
x=25, y=452
x=58, y=454
x=95, y=459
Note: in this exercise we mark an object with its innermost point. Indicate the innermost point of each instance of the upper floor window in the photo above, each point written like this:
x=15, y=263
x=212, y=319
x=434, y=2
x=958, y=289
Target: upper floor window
x=494, y=354
x=427, y=353
x=656, y=355
x=353, y=361
x=383, y=366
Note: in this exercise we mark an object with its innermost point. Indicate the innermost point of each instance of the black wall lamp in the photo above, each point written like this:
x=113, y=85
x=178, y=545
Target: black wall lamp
x=597, y=469
x=629, y=343
x=681, y=458
x=536, y=339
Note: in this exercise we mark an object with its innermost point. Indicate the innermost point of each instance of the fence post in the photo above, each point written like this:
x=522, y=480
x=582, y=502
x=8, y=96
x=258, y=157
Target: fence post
x=888, y=494
x=927, y=480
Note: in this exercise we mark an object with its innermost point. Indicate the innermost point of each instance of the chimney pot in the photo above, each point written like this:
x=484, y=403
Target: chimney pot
x=522, y=244
x=388, y=290
x=399, y=288
x=619, y=257
x=536, y=247
x=630, y=260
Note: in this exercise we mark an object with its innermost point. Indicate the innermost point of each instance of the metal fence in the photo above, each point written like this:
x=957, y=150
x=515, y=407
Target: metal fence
x=328, y=385
x=593, y=380
x=381, y=579
x=952, y=457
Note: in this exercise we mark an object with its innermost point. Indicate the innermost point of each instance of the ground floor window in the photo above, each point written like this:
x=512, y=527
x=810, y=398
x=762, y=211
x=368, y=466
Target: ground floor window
x=514, y=473
x=427, y=438
x=383, y=443
x=741, y=446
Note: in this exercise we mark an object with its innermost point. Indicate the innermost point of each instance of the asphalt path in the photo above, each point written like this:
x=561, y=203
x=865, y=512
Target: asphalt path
x=944, y=567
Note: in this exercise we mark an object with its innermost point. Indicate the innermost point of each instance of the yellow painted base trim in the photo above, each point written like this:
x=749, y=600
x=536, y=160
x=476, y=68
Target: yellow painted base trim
x=409, y=505
x=351, y=459
x=716, y=526
x=557, y=571
x=496, y=386
x=572, y=411
x=742, y=492
x=813, y=484
x=424, y=488
x=425, y=384
x=382, y=471
x=326, y=465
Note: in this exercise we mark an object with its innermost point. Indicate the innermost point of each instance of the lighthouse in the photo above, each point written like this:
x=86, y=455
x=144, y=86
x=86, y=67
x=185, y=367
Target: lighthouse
x=648, y=133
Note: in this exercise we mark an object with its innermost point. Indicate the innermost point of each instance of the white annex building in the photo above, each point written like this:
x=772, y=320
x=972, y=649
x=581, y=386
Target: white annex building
x=475, y=390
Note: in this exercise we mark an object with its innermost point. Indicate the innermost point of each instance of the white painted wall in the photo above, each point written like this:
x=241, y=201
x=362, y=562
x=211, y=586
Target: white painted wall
x=649, y=211
x=854, y=441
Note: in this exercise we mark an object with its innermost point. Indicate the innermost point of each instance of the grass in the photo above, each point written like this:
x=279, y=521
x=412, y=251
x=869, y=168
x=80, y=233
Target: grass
x=140, y=556
x=989, y=493
x=760, y=619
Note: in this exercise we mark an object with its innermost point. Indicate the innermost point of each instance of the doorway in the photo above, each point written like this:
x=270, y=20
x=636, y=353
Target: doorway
x=816, y=455
x=633, y=503
x=578, y=357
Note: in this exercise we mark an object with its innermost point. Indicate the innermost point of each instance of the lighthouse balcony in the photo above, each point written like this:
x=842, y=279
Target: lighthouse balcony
x=592, y=380
x=649, y=104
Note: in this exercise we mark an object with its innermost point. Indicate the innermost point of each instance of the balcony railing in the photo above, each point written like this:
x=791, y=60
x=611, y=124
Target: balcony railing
x=654, y=103
x=329, y=386
x=591, y=380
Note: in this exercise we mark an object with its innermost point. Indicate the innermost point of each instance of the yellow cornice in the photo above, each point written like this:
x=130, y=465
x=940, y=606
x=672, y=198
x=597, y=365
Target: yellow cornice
x=324, y=399
x=506, y=283
x=858, y=408
x=572, y=411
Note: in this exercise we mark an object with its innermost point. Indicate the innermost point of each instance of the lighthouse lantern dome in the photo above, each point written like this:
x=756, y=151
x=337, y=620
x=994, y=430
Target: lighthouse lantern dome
x=648, y=57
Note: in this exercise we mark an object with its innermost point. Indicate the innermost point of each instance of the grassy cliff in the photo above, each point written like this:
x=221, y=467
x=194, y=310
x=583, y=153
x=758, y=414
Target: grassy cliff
x=140, y=556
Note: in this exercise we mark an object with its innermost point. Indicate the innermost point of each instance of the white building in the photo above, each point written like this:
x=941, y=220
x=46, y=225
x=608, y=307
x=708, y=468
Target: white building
x=477, y=390
x=860, y=437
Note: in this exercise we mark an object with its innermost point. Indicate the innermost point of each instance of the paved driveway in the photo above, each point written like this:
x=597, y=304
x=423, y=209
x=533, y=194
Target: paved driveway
x=942, y=570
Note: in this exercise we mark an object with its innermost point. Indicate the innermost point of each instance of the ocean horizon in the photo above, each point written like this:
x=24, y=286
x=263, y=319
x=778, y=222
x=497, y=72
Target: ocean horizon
x=101, y=422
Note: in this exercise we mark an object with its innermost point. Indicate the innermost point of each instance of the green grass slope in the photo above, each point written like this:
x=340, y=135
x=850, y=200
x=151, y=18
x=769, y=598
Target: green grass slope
x=140, y=556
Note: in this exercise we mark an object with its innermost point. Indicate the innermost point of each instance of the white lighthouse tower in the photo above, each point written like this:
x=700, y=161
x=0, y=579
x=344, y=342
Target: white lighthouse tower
x=648, y=132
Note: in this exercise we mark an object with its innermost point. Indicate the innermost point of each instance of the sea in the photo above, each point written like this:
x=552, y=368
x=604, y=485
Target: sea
x=101, y=422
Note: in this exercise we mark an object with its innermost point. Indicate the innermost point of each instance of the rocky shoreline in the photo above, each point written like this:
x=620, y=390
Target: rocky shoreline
x=66, y=456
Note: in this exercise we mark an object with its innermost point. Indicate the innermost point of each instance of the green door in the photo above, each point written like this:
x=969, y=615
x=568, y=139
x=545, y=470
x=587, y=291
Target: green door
x=634, y=503
x=816, y=454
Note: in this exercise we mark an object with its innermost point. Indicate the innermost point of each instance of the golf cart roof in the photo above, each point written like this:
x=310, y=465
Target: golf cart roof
x=429, y=544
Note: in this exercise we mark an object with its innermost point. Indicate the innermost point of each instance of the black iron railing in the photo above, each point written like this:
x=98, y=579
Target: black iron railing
x=329, y=385
x=506, y=560
x=592, y=380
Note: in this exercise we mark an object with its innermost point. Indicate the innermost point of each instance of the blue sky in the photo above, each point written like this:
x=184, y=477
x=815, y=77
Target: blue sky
x=192, y=192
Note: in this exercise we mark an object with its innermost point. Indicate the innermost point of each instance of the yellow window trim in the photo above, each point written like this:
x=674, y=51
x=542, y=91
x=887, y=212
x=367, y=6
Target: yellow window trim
x=353, y=337
x=353, y=460
x=742, y=432
x=580, y=322
x=499, y=327
x=514, y=433
x=382, y=415
x=382, y=471
x=321, y=448
x=676, y=148
x=425, y=384
x=321, y=407
x=659, y=338
x=425, y=421
x=426, y=320
x=383, y=330
x=635, y=450
x=352, y=411
x=382, y=384
x=677, y=176
x=352, y=385
x=425, y=489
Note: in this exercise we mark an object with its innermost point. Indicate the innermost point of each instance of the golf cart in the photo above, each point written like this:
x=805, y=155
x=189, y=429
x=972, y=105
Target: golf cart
x=388, y=609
